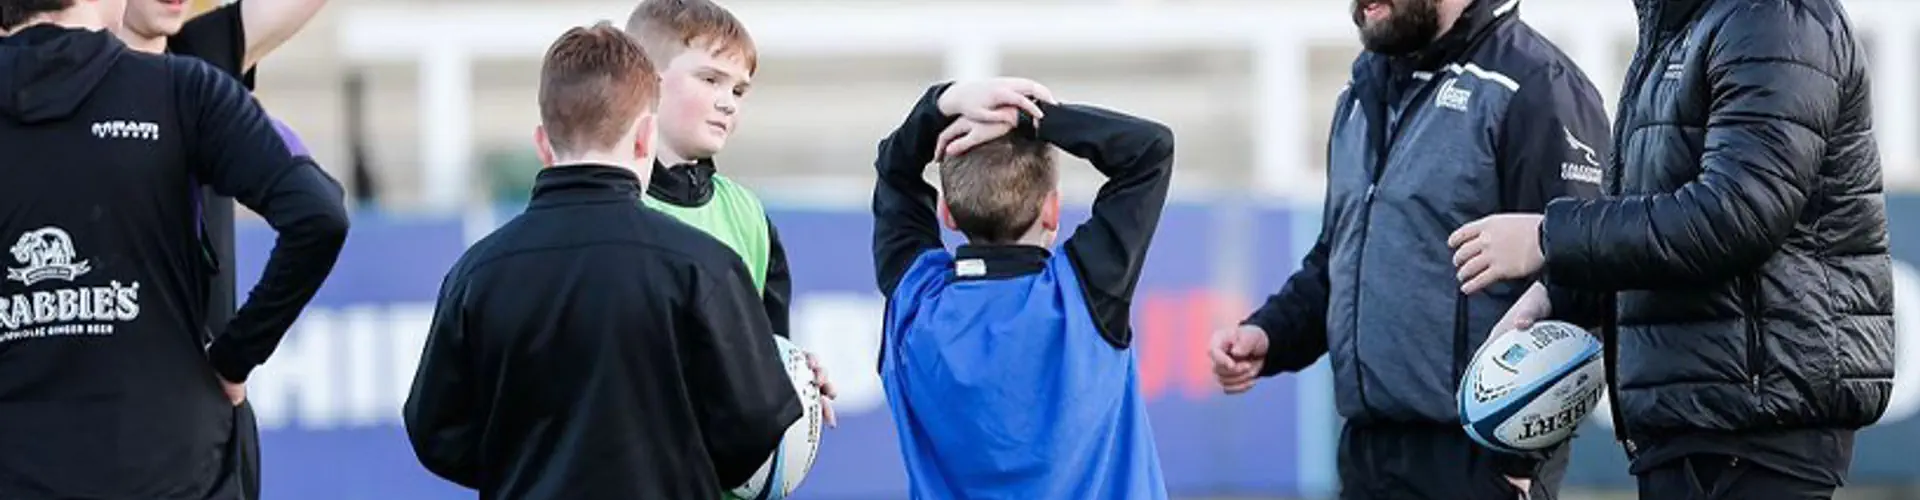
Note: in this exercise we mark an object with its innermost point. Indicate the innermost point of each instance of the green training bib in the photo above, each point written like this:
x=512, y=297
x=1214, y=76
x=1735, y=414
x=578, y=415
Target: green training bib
x=735, y=217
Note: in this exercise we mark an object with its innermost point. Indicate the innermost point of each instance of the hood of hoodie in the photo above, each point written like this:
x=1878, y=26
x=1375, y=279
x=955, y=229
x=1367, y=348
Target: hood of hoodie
x=47, y=71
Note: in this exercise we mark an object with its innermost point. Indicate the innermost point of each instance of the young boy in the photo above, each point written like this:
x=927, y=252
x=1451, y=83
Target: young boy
x=590, y=348
x=706, y=60
x=1007, y=361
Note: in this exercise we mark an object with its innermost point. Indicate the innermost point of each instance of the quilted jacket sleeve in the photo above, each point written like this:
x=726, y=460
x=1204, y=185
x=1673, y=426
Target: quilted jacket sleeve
x=1773, y=103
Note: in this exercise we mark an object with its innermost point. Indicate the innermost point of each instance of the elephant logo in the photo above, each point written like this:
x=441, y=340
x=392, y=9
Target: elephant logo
x=46, y=254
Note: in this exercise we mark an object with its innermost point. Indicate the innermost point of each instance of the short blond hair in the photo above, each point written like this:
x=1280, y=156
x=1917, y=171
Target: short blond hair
x=995, y=191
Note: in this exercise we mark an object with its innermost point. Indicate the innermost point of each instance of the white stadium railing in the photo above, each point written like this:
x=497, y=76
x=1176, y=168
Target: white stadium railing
x=446, y=40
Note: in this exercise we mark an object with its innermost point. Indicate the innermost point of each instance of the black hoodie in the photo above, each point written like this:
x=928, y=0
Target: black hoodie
x=106, y=389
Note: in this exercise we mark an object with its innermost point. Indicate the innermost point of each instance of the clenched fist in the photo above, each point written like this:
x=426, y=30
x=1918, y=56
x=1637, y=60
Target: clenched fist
x=1238, y=355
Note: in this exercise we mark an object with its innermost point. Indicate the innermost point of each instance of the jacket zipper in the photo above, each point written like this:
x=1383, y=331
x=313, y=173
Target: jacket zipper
x=1360, y=261
x=1756, y=343
x=1382, y=153
x=1639, y=69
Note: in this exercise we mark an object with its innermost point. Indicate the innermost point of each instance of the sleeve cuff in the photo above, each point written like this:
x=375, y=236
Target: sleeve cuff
x=1582, y=309
x=1026, y=125
x=1276, y=344
x=1559, y=260
x=228, y=363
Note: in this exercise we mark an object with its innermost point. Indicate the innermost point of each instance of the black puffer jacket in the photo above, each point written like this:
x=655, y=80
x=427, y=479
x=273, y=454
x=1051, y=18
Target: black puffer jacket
x=1745, y=231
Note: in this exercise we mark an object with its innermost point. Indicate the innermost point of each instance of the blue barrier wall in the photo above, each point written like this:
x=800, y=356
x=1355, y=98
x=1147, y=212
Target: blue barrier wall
x=329, y=400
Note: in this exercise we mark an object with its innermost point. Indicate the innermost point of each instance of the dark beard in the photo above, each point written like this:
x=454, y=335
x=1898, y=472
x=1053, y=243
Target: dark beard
x=1412, y=25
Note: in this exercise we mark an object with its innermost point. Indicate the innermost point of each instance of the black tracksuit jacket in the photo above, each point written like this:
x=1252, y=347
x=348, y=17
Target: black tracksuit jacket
x=593, y=348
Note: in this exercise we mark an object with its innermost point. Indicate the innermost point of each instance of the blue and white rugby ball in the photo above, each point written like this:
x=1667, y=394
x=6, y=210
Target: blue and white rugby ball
x=791, y=462
x=1529, y=388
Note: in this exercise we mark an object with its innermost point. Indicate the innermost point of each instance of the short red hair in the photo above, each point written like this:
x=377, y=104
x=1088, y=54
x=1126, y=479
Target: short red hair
x=594, y=83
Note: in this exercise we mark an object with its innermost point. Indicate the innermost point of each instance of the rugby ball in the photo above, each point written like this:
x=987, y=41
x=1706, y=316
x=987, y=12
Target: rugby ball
x=1527, y=389
x=791, y=462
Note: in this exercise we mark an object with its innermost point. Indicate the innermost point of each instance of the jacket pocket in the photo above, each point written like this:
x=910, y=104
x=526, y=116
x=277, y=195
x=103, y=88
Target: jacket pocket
x=1750, y=317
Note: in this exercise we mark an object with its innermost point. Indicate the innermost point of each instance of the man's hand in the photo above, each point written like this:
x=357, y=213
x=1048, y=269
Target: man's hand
x=826, y=389
x=1238, y=355
x=966, y=133
x=236, y=393
x=994, y=100
x=1496, y=248
x=1524, y=485
x=1533, y=306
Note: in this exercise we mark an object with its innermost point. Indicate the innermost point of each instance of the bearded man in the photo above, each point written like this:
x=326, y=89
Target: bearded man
x=1456, y=110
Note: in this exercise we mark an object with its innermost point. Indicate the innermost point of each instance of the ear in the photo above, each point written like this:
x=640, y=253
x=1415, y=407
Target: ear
x=643, y=140
x=1050, y=213
x=946, y=216
x=542, y=145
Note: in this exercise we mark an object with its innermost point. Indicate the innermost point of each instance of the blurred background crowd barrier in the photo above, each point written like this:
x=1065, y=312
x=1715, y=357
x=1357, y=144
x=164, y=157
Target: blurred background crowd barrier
x=425, y=108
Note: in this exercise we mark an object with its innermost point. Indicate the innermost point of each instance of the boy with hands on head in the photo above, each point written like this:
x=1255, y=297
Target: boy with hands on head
x=1008, y=360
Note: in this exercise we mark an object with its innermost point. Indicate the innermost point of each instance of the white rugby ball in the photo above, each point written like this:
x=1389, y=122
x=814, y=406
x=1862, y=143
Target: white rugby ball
x=1529, y=388
x=791, y=462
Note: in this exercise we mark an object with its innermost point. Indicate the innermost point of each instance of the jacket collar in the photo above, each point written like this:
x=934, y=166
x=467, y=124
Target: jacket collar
x=584, y=183
x=988, y=262
x=1665, y=15
x=685, y=185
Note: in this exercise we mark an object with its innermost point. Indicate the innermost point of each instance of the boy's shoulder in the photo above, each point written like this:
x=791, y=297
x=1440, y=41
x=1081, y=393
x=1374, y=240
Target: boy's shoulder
x=725, y=198
x=734, y=192
x=639, y=233
x=930, y=270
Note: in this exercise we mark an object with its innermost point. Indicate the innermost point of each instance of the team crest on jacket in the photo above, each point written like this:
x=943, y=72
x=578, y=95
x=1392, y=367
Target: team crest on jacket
x=1585, y=169
x=47, y=255
x=1453, y=96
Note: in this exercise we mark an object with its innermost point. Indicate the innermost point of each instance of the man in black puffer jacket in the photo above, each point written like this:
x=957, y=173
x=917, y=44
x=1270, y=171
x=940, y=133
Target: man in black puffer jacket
x=1742, y=249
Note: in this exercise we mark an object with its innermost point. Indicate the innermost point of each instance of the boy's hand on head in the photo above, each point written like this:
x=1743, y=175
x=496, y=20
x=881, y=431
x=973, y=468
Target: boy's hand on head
x=994, y=100
x=965, y=133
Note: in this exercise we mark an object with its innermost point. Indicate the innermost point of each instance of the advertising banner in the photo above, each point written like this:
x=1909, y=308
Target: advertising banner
x=329, y=400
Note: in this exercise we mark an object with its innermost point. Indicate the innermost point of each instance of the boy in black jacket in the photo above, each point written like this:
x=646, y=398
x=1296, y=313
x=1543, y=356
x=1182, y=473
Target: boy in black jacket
x=592, y=348
x=106, y=387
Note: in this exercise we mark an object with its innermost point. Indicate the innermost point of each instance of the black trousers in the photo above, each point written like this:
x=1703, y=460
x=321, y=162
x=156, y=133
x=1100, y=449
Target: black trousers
x=240, y=474
x=1436, y=462
x=246, y=436
x=1721, y=477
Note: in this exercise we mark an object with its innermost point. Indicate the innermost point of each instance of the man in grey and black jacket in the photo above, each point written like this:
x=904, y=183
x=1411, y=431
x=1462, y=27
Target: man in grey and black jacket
x=1743, y=244
x=1457, y=110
